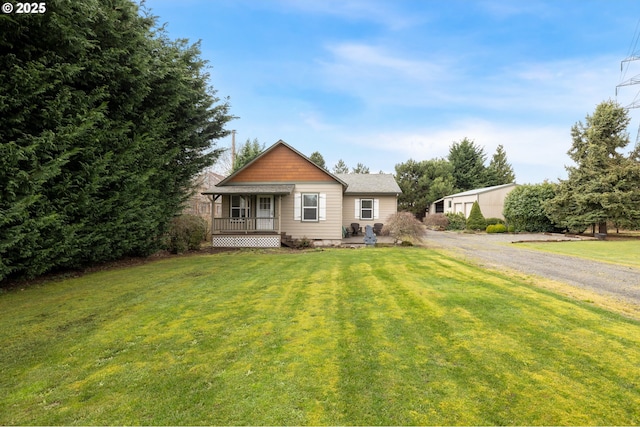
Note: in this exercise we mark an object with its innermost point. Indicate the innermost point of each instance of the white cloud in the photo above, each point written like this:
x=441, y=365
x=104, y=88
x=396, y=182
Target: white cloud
x=314, y=121
x=571, y=84
x=379, y=77
x=529, y=148
x=531, y=144
x=362, y=56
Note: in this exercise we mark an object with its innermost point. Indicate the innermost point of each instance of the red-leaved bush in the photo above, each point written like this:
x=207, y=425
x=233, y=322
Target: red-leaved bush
x=403, y=226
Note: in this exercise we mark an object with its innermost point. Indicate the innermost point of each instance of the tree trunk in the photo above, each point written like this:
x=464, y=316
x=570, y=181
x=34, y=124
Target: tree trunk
x=602, y=228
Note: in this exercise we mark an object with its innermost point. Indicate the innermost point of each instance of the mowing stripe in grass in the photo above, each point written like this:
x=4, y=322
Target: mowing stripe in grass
x=375, y=336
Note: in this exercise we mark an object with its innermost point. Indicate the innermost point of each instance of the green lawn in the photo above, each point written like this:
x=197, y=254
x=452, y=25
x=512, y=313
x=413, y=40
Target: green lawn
x=622, y=252
x=377, y=336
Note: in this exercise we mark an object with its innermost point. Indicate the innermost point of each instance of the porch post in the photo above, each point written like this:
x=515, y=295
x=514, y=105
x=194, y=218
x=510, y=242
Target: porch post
x=213, y=213
x=279, y=213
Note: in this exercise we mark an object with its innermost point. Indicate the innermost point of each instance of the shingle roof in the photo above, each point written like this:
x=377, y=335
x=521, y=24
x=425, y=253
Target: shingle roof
x=374, y=183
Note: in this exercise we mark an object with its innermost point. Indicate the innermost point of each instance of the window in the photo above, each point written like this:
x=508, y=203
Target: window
x=264, y=203
x=239, y=207
x=310, y=207
x=366, y=209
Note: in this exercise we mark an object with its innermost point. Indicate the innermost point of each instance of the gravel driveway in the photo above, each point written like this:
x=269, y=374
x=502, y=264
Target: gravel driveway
x=494, y=250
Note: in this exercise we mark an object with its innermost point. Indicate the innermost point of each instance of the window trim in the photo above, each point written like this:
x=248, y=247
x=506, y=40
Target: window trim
x=243, y=209
x=316, y=208
x=363, y=209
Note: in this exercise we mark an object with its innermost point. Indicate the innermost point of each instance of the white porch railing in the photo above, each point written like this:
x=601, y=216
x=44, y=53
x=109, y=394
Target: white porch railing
x=245, y=225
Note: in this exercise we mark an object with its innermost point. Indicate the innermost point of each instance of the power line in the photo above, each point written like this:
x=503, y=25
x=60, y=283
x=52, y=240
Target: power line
x=632, y=55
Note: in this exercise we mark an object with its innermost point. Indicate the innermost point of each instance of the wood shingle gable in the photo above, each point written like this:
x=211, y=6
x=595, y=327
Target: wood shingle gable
x=280, y=163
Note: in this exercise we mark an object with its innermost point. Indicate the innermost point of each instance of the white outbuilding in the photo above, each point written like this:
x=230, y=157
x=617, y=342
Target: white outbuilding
x=490, y=199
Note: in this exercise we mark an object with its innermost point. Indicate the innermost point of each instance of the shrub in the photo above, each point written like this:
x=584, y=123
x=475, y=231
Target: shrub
x=186, y=232
x=457, y=221
x=436, y=222
x=496, y=228
x=303, y=243
x=476, y=220
x=524, y=207
x=494, y=221
x=403, y=226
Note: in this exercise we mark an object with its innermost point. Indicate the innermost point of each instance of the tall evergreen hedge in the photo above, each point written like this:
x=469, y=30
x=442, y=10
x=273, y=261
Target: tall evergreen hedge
x=524, y=207
x=103, y=122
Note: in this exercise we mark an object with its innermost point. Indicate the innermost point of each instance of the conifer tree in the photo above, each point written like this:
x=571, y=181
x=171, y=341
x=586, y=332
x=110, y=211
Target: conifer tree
x=604, y=184
x=468, y=159
x=247, y=152
x=476, y=220
x=317, y=158
x=340, y=167
x=107, y=122
x=499, y=170
x=360, y=168
x=423, y=183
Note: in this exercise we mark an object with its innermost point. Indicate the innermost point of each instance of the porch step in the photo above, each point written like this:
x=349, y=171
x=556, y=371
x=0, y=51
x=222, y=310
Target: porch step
x=286, y=240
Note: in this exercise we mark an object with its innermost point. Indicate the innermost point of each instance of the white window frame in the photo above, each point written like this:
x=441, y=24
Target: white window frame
x=243, y=207
x=375, y=209
x=322, y=207
x=309, y=208
x=369, y=210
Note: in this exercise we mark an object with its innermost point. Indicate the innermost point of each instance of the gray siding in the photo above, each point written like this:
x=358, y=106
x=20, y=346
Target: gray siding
x=329, y=229
x=492, y=203
x=387, y=205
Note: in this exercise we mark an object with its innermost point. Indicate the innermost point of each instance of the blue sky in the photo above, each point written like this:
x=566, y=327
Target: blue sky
x=383, y=81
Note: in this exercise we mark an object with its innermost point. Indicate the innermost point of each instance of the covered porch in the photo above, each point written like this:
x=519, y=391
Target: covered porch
x=252, y=215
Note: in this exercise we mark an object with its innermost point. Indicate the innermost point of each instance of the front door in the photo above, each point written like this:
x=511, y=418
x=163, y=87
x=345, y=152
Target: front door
x=265, y=213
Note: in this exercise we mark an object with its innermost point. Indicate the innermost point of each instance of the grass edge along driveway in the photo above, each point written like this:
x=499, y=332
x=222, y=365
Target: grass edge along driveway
x=379, y=336
x=618, y=252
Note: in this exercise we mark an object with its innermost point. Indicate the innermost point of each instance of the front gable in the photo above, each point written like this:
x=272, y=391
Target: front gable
x=280, y=163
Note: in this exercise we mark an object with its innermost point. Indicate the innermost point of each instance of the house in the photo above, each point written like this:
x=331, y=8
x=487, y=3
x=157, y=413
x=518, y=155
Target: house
x=200, y=204
x=368, y=198
x=283, y=195
x=490, y=199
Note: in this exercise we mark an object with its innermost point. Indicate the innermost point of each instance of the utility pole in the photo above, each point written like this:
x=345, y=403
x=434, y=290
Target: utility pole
x=233, y=148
